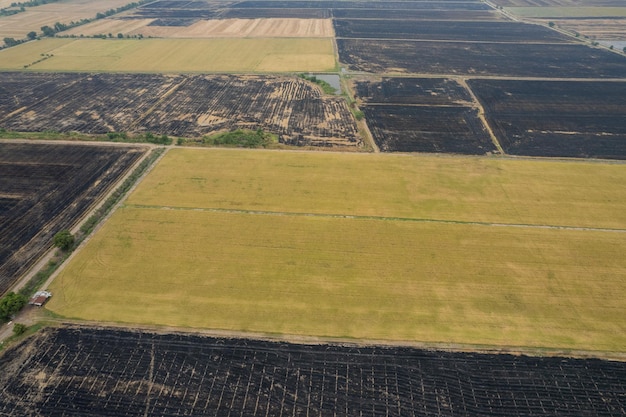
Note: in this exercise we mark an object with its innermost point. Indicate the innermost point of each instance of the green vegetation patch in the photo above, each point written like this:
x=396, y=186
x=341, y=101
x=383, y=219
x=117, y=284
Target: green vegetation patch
x=240, y=138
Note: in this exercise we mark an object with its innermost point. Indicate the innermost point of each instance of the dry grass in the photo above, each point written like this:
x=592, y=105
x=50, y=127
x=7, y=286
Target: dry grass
x=18, y=25
x=375, y=278
x=174, y=55
x=358, y=278
x=578, y=194
x=222, y=28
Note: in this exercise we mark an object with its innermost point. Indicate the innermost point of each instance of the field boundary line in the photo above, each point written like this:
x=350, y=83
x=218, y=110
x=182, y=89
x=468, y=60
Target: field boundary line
x=341, y=341
x=380, y=218
x=481, y=115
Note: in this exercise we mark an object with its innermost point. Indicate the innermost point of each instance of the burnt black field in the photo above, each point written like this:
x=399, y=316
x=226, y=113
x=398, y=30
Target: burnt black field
x=74, y=371
x=281, y=13
x=556, y=118
x=475, y=59
x=47, y=188
x=428, y=129
x=423, y=115
x=400, y=90
x=290, y=107
x=426, y=14
x=395, y=5
x=453, y=30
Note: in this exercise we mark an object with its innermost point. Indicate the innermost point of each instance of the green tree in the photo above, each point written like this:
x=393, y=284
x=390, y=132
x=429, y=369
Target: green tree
x=19, y=329
x=47, y=31
x=120, y=36
x=11, y=304
x=64, y=240
x=10, y=42
x=32, y=35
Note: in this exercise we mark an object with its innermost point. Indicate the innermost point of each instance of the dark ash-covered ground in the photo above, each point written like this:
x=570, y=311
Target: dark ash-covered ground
x=74, y=371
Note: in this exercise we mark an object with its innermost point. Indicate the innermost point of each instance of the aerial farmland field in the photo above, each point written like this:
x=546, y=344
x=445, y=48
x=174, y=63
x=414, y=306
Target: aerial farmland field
x=556, y=118
x=173, y=55
x=283, y=246
x=453, y=30
x=132, y=373
x=177, y=105
x=222, y=28
x=293, y=282
x=423, y=115
x=47, y=188
x=478, y=59
x=33, y=18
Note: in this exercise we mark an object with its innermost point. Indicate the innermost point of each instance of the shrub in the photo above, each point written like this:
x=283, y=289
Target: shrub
x=64, y=240
x=19, y=329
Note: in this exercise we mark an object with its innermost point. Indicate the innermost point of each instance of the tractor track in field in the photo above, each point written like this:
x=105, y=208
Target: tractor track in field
x=381, y=218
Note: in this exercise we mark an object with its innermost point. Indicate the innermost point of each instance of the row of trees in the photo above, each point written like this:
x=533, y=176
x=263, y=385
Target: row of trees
x=51, y=31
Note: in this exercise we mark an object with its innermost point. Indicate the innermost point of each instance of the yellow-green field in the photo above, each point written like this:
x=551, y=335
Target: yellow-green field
x=238, y=240
x=172, y=55
x=557, y=193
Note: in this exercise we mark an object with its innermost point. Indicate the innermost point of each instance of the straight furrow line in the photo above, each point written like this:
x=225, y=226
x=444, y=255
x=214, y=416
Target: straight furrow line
x=382, y=218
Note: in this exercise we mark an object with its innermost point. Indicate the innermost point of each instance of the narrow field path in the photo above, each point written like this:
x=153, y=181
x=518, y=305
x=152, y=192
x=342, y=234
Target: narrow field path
x=481, y=115
x=381, y=218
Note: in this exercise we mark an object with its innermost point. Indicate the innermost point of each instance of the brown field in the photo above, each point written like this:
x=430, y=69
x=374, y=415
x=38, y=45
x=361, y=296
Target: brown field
x=225, y=28
x=105, y=26
x=17, y=26
x=607, y=29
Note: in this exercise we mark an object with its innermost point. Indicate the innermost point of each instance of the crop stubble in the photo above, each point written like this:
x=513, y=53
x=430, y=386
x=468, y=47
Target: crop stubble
x=423, y=115
x=556, y=118
x=174, y=55
x=47, y=188
x=179, y=105
x=222, y=28
x=125, y=373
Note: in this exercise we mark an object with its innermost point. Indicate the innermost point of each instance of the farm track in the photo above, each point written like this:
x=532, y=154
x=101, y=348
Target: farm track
x=481, y=114
x=381, y=218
